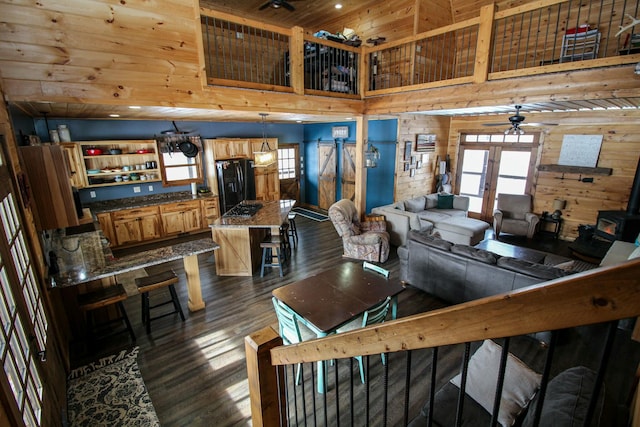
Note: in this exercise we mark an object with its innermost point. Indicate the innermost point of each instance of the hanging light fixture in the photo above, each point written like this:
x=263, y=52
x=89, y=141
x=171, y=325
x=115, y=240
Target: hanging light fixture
x=371, y=157
x=266, y=156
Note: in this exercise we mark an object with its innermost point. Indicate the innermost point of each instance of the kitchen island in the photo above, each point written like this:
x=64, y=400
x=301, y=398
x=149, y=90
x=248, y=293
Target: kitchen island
x=239, y=235
x=86, y=257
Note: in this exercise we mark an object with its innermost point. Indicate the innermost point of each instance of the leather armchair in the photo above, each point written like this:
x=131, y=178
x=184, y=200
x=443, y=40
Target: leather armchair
x=513, y=215
x=366, y=240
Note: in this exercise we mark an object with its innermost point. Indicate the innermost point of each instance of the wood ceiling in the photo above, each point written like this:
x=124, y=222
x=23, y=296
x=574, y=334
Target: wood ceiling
x=312, y=15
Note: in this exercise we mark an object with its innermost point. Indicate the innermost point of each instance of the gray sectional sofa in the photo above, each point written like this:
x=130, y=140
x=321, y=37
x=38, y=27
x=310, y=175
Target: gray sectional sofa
x=458, y=273
x=420, y=213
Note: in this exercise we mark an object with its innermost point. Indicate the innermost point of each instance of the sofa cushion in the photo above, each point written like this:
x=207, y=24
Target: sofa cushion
x=416, y=204
x=433, y=216
x=545, y=272
x=432, y=201
x=519, y=387
x=474, y=253
x=445, y=201
x=428, y=239
x=566, y=399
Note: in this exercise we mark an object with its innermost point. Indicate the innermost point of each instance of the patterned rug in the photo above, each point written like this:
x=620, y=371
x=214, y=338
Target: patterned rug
x=110, y=392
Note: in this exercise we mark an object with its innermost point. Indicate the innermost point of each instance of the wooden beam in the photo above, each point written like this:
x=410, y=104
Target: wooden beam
x=360, y=201
x=483, y=46
x=296, y=60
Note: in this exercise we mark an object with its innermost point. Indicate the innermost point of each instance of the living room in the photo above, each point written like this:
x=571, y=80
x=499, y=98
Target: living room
x=39, y=80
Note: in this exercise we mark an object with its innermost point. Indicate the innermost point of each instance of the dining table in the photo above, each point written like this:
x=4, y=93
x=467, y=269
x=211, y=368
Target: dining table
x=328, y=300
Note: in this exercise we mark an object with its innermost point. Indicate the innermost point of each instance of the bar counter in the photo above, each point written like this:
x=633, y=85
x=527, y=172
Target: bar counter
x=85, y=257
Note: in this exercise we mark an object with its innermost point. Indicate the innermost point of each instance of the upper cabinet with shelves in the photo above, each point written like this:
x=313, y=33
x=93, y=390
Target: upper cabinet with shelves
x=120, y=162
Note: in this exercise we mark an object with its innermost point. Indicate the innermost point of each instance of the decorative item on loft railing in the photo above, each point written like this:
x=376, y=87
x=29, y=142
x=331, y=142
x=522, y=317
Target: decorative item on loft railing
x=371, y=157
x=266, y=156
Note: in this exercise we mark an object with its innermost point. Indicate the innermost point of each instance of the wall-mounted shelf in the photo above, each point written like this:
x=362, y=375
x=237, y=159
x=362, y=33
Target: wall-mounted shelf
x=575, y=169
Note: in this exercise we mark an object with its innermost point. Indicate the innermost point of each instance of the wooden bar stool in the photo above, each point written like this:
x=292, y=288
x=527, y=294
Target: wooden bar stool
x=268, y=245
x=293, y=231
x=153, y=282
x=284, y=238
x=104, y=297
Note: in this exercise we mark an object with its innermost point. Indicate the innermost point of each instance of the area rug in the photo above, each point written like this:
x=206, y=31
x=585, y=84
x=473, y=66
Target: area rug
x=316, y=216
x=110, y=392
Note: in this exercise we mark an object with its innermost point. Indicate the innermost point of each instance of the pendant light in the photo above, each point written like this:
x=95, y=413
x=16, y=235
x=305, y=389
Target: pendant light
x=266, y=156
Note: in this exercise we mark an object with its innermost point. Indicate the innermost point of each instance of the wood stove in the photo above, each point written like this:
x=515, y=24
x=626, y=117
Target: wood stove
x=622, y=225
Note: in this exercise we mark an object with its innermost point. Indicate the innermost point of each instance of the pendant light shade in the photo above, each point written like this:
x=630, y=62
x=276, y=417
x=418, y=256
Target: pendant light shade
x=266, y=156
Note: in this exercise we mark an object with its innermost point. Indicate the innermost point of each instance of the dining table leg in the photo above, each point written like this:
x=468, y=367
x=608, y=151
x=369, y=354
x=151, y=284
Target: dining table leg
x=194, y=288
x=322, y=365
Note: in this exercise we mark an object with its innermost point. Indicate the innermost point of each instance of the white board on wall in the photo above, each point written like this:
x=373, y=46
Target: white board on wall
x=580, y=150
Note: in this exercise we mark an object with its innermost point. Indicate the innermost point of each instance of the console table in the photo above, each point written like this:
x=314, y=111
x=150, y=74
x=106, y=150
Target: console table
x=549, y=226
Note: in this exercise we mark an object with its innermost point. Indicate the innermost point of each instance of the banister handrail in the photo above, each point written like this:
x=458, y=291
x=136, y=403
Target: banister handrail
x=595, y=296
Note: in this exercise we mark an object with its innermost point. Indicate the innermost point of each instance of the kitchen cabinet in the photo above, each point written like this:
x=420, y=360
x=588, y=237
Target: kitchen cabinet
x=232, y=148
x=210, y=211
x=120, y=162
x=181, y=217
x=73, y=154
x=50, y=186
x=267, y=178
x=136, y=225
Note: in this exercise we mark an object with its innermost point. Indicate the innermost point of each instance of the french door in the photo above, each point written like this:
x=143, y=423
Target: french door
x=490, y=164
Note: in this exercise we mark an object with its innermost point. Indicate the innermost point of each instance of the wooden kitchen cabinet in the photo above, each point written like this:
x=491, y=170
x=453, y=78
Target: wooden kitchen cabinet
x=106, y=225
x=210, y=211
x=137, y=225
x=232, y=148
x=76, y=164
x=267, y=179
x=50, y=185
x=181, y=217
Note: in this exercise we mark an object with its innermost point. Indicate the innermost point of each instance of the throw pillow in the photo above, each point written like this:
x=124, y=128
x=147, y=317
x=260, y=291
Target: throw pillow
x=519, y=387
x=414, y=205
x=474, y=253
x=567, y=399
x=445, y=201
x=635, y=253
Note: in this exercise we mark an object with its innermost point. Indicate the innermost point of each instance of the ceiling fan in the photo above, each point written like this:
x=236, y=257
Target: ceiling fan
x=277, y=4
x=517, y=121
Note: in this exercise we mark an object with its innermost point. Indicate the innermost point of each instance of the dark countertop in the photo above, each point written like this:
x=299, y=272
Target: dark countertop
x=144, y=201
x=84, y=257
x=272, y=214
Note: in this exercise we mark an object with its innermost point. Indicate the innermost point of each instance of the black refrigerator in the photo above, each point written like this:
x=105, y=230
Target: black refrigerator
x=235, y=182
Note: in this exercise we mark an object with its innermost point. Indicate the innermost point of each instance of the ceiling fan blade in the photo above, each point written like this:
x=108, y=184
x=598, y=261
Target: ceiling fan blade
x=539, y=124
x=264, y=6
x=288, y=6
x=495, y=124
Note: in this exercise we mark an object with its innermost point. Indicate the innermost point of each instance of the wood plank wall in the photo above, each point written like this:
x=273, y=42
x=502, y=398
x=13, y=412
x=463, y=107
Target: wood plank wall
x=423, y=182
x=620, y=151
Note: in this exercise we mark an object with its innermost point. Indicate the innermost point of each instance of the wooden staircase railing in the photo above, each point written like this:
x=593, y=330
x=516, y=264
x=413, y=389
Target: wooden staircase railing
x=596, y=296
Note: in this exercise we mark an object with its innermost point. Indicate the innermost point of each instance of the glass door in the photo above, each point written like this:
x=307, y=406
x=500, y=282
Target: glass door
x=489, y=164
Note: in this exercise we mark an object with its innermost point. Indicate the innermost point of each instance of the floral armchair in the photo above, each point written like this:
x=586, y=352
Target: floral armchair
x=366, y=240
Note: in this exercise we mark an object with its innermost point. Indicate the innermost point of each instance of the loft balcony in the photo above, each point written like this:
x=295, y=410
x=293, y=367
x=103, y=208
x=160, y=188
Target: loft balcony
x=539, y=38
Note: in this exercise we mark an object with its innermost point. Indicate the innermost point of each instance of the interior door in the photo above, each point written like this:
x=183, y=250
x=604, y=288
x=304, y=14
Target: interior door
x=490, y=164
x=326, y=175
x=33, y=379
x=289, y=171
x=349, y=171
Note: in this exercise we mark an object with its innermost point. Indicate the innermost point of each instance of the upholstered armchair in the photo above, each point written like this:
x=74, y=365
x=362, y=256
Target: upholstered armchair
x=513, y=215
x=366, y=240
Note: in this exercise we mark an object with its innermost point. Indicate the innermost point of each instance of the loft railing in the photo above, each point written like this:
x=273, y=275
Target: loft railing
x=604, y=295
x=539, y=37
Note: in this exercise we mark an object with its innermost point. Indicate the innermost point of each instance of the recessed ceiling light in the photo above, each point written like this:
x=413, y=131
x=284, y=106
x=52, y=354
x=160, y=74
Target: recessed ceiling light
x=135, y=107
x=298, y=121
x=114, y=115
x=338, y=6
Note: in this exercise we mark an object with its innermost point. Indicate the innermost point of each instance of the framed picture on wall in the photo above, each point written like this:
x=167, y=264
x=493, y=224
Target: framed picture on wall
x=425, y=142
x=407, y=150
x=412, y=173
x=406, y=166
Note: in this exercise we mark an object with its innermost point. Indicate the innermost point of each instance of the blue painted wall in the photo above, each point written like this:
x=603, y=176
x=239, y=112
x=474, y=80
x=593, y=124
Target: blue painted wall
x=89, y=130
x=380, y=180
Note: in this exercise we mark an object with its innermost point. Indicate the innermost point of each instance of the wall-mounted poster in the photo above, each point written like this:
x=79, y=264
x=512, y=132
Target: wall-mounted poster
x=425, y=142
x=580, y=150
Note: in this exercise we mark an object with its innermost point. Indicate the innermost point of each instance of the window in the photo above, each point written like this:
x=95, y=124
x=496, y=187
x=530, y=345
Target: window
x=287, y=163
x=180, y=160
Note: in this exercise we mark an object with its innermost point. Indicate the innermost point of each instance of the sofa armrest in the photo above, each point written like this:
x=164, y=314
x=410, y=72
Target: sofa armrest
x=461, y=203
x=618, y=252
x=373, y=226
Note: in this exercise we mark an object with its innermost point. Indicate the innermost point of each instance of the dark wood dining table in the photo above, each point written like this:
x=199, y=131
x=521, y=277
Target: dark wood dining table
x=334, y=297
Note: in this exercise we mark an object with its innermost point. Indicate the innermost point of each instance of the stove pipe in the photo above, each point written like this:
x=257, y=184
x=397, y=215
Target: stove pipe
x=633, y=208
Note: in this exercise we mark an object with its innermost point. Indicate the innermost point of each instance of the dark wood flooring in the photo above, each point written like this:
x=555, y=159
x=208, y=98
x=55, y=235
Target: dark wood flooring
x=195, y=370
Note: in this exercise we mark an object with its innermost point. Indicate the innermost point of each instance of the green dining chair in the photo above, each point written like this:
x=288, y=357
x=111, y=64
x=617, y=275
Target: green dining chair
x=290, y=329
x=376, y=314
